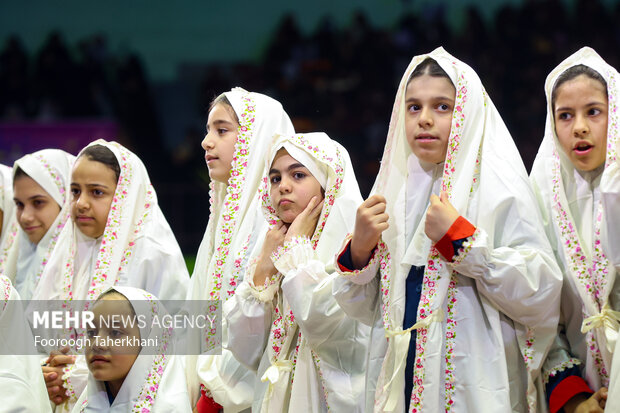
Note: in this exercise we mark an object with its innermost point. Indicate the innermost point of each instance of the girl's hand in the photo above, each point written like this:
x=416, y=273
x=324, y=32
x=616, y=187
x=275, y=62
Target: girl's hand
x=593, y=404
x=53, y=372
x=305, y=223
x=264, y=267
x=370, y=222
x=439, y=217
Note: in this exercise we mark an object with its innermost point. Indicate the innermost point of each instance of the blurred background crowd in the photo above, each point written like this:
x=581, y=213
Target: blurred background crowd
x=337, y=78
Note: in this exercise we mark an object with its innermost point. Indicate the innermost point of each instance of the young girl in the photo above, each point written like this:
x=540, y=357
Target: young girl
x=575, y=169
x=6, y=202
x=118, y=236
x=283, y=321
x=42, y=198
x=23, y=388
x=240, y=128
x=129, y=377
x=467, y=289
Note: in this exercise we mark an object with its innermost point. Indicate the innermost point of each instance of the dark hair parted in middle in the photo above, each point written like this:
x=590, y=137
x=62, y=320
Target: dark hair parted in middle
x=103, y=155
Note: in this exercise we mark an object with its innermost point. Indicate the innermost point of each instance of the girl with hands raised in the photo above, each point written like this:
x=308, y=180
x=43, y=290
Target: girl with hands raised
x=283, y=321
x=448, y=260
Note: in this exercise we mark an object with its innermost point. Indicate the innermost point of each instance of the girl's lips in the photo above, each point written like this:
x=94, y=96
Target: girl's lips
x=30, y=229
x=583, y=151
x=85, y=219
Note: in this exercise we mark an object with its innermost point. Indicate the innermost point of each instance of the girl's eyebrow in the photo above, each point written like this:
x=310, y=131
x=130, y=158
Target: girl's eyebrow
x=446, y=98
x=290, y=167
x=595, y=103
x=94, y=185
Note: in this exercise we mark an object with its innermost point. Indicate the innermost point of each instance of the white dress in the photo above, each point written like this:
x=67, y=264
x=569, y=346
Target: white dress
x=235, y=225
x=486, y=319
x=308, y=354
x=580, y=215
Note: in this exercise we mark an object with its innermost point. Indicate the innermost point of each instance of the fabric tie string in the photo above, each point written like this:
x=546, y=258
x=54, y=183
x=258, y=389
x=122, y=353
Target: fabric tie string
x=609, y=320
x=400, y=339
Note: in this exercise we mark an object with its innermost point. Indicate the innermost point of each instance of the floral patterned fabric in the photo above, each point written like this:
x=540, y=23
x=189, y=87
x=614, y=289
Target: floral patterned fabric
x=300, y=326
x=492, y=310
x=155, y=383
x=21, y=260
x=579, y=236
x=235, y=224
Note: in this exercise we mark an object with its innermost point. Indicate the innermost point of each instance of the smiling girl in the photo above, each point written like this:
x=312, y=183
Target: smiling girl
x=283, y=321
x=118, y=236
x=42, y=203
x=575, y=167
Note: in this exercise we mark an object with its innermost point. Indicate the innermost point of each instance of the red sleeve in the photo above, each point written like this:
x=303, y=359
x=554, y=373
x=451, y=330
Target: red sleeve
x=460, y=229
x=207, y=404
x=566, y=390
x=343, y=252
x=345, y=261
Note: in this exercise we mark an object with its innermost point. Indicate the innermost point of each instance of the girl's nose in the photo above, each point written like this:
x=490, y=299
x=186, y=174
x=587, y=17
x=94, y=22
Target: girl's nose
x=207, y=142
x=426, y=118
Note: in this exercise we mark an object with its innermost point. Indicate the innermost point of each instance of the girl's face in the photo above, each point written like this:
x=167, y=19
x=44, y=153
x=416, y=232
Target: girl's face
x=92, y=185
x=429, y=101
x=36, y=209
x=219, y=142
x=107, y=361
x=292, y=186
x=580, y=117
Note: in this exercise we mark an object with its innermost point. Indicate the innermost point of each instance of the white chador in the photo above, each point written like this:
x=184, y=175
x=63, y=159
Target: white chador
x=137, y=249
x=485, y=320
x=235, y=224
x=155, y=383
x=309, y=356
x=7, y=205
x=21, y=380
x=581, y=214
x=21, y=260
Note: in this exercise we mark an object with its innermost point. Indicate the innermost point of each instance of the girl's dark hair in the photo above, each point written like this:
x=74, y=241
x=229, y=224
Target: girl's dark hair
x=224, y=100
x=19, y=172
x=430, y=67
x=570, y=74
x=103, y=155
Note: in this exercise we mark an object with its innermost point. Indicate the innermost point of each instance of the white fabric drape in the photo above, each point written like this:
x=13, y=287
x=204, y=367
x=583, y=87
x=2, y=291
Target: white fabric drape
x=309, y=355
x=235, y=224
x=155, y=383
x=6, y=202
x=21, y=380
x=20, y=259
x=486, y=320
x=576, y=222
x=137, y=249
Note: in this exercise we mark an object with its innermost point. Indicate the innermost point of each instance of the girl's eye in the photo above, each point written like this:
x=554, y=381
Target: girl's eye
x=299, y=175
x=414, y=108
x=564, y=116
x=222, y=131
x=116, y=333
x=97, y=192
x=594, y=112
x=75, y=192
x=19, y=205
x=38, y=203
x=443, y=107
x=274, y=179
x=91, y=333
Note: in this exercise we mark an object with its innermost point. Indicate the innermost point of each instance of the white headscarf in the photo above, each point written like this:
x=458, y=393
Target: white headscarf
x=21, y=381
x=21, y=260
x=317, y=152
x=235, y=224
x=137, y=247
x=156, y=382
x=6, y=202
x=579, y=232
x=482, y=174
